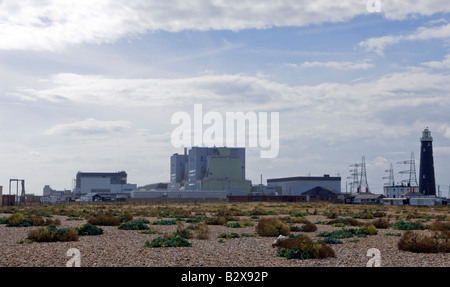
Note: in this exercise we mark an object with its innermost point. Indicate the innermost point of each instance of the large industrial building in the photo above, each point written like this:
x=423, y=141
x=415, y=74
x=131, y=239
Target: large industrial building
x=209, y=169
x=104, y=186
x=294, y=186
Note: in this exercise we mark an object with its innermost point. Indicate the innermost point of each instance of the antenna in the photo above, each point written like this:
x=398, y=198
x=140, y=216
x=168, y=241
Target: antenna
x=390, y=178
x=355, y=176
x=363, y=181
x=412, y=181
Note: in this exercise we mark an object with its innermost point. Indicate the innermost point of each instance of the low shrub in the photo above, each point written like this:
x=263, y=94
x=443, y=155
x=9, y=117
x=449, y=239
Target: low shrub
x=218, y=220
x=402, y=225
x=234, y=225
x=168, y=242
x=272, y=227
x=332, y=240
x=258, y=210
x=134, y=225
x=371, y=230
x=379, y=214
x=15, y=219
x=368, y=215
x=201, y=231
x=414, y=242
x=309, y=227
x=104, y=220
x=380, y=223
x=294, y=228
x=52, y=234
x=89, y=229
x=4, y=220
x=126, y=217
x=303, y=248
x=164, y=222
x=229, y=235
x=184, y=232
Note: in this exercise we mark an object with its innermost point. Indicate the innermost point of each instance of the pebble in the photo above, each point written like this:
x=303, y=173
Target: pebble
x=126, y=248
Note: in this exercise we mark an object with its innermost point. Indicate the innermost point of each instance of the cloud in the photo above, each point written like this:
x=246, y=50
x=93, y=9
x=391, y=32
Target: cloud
x=89, y=127
x=390, y=106
x=379, y=44
x=53, y=25
x=343, y=65
x=444, y=64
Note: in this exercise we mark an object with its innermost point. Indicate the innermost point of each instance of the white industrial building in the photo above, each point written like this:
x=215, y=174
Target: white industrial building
x=103, y=186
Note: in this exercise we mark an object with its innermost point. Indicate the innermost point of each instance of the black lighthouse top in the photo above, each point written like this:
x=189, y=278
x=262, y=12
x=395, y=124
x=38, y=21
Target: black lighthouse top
x=426, y=135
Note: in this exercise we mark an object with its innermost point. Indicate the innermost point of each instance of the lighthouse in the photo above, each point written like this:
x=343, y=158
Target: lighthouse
x=427, y=184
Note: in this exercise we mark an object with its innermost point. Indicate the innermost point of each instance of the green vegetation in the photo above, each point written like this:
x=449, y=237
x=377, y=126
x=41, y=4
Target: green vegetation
x=347, y=233
x=89, y=229
x=408, y=225
x=164, y=222
x=229, y=235
x=303, y=248
x=134, y=225
x=104, y=220
x=272, y=227
x=53, y=234
x=19, y=220
x=168, y=242
x=309, y=227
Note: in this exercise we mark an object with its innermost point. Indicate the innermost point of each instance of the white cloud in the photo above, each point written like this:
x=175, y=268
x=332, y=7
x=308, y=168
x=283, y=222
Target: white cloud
x=444, y=64
x=89, y=127
x=379, y=44
x=343, y=65
x=52, y=25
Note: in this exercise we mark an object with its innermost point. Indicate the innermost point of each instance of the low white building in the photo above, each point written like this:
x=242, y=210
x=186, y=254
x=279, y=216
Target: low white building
x=397, y=191
x=107, y=186
x=51, y=195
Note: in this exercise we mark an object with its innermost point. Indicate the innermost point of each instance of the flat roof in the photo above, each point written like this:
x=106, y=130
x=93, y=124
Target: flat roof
x=305, y=178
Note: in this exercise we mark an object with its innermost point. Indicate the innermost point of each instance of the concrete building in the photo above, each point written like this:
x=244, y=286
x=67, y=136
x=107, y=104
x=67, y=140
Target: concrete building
x=300, y=184
x=365, y=198
x=204, y=168
x=50, y=195
x=320, y=193
x=107, y=185
x=398, y=191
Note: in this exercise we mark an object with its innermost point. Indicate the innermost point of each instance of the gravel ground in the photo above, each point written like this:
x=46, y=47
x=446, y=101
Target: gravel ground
x=125, y=248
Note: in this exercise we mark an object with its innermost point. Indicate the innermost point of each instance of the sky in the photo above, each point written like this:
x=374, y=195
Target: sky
x=93, y=85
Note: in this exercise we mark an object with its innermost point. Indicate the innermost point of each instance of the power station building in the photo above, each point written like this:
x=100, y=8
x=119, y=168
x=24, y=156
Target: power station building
x=209, y=169
x=103, y=186
x=300, y=184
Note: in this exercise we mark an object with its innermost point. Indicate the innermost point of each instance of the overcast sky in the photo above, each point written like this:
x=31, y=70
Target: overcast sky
x=92, y=85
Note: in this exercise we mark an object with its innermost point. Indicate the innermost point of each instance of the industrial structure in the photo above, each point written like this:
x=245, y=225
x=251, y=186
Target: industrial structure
x=409, y=185
x=209, y=169
x=294, y=186
x=427, y=184
x=359, y=177
x=102, y=186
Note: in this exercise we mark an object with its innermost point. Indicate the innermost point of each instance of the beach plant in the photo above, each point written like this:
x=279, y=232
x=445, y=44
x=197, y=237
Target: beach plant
x=53, y=234
x=272, y=227
x=168, y=242
x=104, y=220
x=303, y=248
x=134, y=225
x=89, y=229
